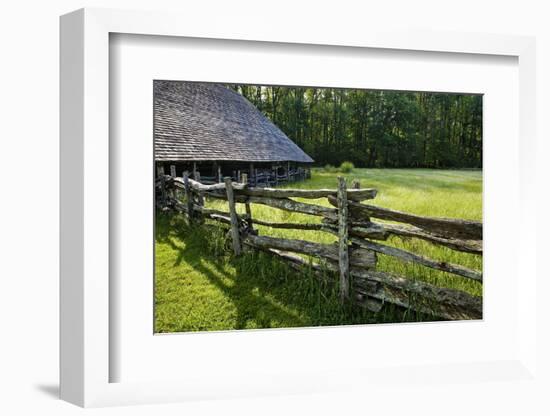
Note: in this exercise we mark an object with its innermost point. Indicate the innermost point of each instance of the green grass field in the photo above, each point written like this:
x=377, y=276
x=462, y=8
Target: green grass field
x=200, y=286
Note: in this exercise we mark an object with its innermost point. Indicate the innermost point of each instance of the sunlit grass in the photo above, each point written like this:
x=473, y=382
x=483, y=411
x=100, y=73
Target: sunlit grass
x=199, y=286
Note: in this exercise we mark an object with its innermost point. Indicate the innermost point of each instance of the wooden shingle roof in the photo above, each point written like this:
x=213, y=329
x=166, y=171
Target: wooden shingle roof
x=203, y=121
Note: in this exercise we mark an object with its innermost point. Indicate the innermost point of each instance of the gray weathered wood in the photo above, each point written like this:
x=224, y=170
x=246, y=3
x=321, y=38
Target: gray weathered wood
x=207, y=188
x=292, y=225
x=178, y=206
x=376, y=288
x=173, y=171
x=234, y=218
x=353, y=194
x=379, y=231
x=369, y=230
x=160, y=170
x=200, y=194
x=247, y=207
x=162, y=190
x=466, y=246
x=205, y=211
x=210, y=213
x=368, y=302
x=364, y=259
x=420, y=296
x=290, y=205
x=447, y=227
x=415, y=258
x=220, y=174
x=343, y=255
x=220, y=218
x=188, y=196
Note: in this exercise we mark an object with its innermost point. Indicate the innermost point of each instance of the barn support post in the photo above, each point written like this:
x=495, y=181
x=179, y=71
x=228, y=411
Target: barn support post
x=188, y=196
x=255, y=177
x=251, y=173
x=195, y=170
x=162, y=191
x=247, y=204
x=160, y=170
x=234, y=218
x=343, y=253
x=220, y=174
x=288, y=171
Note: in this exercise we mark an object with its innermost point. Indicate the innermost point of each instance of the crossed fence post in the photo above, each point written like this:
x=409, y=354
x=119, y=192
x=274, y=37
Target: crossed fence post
x=234, y=218
x=343, y=248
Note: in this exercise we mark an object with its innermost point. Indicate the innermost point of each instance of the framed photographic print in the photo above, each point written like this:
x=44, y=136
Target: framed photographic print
x=266, y=213
x=234, y=173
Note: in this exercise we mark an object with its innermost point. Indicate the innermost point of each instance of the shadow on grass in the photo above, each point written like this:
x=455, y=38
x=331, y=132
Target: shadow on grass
x=265, y=292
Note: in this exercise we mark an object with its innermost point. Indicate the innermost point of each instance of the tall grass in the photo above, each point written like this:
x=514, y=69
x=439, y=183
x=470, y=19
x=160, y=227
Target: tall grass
x=200, y=286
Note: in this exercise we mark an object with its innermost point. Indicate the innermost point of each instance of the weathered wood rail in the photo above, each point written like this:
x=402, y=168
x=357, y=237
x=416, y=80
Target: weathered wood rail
x=353, y=257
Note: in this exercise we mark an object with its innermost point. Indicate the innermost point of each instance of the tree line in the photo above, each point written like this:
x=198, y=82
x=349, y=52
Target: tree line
x=376, y=128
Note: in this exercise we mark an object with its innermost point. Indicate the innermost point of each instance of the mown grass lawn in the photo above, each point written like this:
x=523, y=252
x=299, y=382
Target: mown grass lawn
x=199, y=286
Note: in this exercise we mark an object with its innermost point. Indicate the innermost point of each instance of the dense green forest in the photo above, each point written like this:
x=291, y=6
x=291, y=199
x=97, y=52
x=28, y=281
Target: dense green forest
x=387, y=129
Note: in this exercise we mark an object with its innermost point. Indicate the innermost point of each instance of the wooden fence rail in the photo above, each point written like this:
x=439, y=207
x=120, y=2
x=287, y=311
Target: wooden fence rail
x=354, y=256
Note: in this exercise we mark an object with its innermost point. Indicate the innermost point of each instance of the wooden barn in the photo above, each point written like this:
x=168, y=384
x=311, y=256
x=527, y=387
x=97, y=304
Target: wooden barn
x=211, y=132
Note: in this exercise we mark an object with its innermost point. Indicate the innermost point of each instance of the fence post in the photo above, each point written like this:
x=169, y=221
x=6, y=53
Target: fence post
x=343, y=254
x=188, y=196
x=234, y=217
x=201, y=196
x=244, y=177
x=174, y=192
x=162, y=191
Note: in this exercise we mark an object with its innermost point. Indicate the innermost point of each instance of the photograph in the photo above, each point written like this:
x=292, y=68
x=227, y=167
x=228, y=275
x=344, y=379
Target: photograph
x=307, y=206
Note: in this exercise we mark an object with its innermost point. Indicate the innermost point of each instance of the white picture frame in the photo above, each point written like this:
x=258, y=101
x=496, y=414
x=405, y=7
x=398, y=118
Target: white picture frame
x=85, y=219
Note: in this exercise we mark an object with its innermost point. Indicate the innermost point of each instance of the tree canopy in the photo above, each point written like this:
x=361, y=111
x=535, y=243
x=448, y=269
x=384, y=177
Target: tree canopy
x=370, y=128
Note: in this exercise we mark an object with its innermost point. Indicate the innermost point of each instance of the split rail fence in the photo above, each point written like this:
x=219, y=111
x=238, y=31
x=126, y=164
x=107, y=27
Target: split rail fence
x=360, y=238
